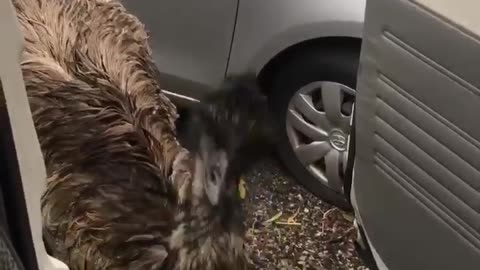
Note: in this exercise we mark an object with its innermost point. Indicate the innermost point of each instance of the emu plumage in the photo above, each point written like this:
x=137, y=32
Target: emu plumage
x=122, y=193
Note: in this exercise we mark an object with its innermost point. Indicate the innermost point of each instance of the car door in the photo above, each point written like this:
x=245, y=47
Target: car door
x=190, y=40
x=416, y=186
x=22, y=171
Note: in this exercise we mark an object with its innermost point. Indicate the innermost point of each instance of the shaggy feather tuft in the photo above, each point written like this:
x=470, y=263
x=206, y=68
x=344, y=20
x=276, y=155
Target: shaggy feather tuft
x=122, y=193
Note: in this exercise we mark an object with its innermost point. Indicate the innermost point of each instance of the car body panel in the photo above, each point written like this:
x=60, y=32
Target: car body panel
x=190, y=40
x=416, y=192
x=266, y=28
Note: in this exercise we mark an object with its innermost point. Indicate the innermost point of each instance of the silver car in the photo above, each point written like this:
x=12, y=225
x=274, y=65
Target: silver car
x=305, y=53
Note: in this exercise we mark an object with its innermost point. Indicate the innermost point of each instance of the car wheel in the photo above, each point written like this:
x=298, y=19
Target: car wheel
x=312, y=96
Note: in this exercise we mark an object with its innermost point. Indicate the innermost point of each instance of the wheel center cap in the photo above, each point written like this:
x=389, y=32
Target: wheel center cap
x=338, y=140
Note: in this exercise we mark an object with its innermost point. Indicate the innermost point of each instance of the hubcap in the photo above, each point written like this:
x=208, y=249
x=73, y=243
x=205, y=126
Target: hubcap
x=318, y=128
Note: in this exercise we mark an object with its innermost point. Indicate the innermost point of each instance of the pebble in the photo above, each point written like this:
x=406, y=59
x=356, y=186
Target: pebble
x=294, y=247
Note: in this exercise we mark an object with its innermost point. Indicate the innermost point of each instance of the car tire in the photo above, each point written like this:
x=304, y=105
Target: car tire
x=337, y=64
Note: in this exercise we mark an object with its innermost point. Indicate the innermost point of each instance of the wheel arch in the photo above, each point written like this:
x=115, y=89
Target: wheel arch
x=267, y=71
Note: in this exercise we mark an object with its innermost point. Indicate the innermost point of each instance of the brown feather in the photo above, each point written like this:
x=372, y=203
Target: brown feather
x=121, y=193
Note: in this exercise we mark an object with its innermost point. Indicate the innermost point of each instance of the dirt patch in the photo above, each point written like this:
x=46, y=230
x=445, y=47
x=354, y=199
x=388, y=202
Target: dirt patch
x=289, y=228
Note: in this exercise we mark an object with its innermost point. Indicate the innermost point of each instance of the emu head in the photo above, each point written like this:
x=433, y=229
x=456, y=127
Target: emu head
x=226, y=133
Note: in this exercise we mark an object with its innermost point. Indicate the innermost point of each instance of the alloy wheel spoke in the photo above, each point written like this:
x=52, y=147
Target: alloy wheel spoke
x=304, y=104
x=344, y=160
x=302, y=126
x=332, y=170
x=332, y=95
x=309, y=153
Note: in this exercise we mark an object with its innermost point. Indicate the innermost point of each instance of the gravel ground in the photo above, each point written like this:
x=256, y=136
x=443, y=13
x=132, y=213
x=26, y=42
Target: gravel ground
x=317, y=235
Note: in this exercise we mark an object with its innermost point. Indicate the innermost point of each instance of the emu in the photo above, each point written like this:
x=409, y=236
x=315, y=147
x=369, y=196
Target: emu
x=125, y=190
